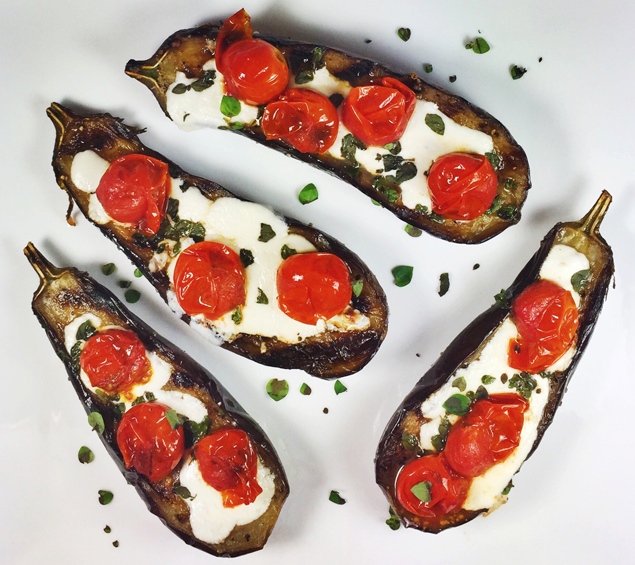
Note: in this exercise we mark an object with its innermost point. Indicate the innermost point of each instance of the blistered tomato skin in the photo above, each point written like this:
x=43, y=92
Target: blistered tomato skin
x=134, y=190
x=546, y=317
x=148, y=443
x=115, y=360
x=313, y=286
x=236, y=28
x=304, y=118
x=462, y=185
x=229, y=463
x=209, y=280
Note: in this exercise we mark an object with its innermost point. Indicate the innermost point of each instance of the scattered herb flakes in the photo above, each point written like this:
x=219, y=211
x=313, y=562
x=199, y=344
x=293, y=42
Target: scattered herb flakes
x=305, y=389
x=435, y=123
x=508, y=213
x=394, y=147
x=422, y=491
x=375, y=202
x=358, y=286
x=510, y=183
x=236, y=125
x=427, y=68
x=105, y=497
x=237, y=316
x=452, y=78
x=115, y=543
x=494, y=159
x=132, y=296
x=409, y=441
x=439, y=440
x=325, y=411
x=194, y=431
x=246, y=257
x=404, y=33
x=339, y=387
x=85, y=331
x=487, y=379
x=287, y=251
x=476, y=266
x=393, y=522
x=85, y=455
x=501, y=299
x=174, y=419
x=138, y=273
x=580, y=279
x=183, y=492
x=350, y=144
x=307, y=75
x=308, y=194
x=412, y=231
x=107, y=529
x=180, y=88
x=478, y=45
x=480, y=394
x=517, y=72
x=335, y=498
x=459, y=383
x=402, y=275
x=524, y=383
x=444, y=284
x=266, y=233
x=124, y=284
x=262, y=297
x=509, y=487
x=495, y=206
x=457, y=404
x=277, y=389
x=185, y=116
x=108, y=269
x=119, y=409
x=96, y=422
x=204, y=81
x=76, y=351
x=229, y=106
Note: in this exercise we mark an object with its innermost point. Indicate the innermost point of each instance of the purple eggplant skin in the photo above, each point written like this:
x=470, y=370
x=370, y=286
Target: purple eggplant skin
x=64, y=294
x=189, y=49
x=330, y=355
x=391, y=454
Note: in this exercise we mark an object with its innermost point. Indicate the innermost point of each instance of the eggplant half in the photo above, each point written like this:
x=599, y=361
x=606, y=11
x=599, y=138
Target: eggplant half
x=576, y=256
x=340, y=348
x=67, y=297
x=180, y=69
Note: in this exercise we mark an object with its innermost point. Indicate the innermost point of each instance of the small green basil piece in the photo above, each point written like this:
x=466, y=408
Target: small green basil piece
x=392, y=195
x=439, y=440
x=287, y=251
x=509, y=487
x=85, y=455
x=138, y=400
x=132, y=296
x=481, y=393
x=487, y=379
x=350, y=144
x=277, y=389
x=229, y=106
x=124, y=284
x=174, y=419
x=444, y=284
x=107, y=529
x=105, y=497
x=495, y=206
x=457, y=404
x=358, y=286
x=119, y=409
x=150, y=396
x=96, y=422
x=262, y=297
x=204, y=82
x=508, y=213
x=308, y=194
x=339, y=387
x=393, y=522
x=305, y=389
x=246, y=257
x=85, y=331
x=266, y=233
x=237, y=316
x=375, y=202
x=459, y=383
x=427, y=68
x=236, y=125
x=409, y=441
x=435, y=123
x=183, y=492
x=517, y=72
x=494, y=159
x=501, y=299
x=394, y=147
x=580, y=279
x=138, y=273
x=479, y=46
x=402, y=274
x=304, y=76
x=404, y=33
x=524, y=383
x=195, y=431
x=422, y=491
x=108, y=269
x=452, y=78
x=335, y=498
x=180, y=88
x=76, y=351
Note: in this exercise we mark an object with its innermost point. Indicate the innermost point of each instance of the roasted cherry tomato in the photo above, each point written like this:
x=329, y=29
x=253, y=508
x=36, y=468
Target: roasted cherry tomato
x=487, y=435
x=209, y=280
x=379, y=114
x=546, y=317
x=313, y=286
x=148, y=443
x=134, y=190
x=462, y=185
x=229, y=463
x=304, y=118
x=236, y=28
x=115, y=361
x=446, y=488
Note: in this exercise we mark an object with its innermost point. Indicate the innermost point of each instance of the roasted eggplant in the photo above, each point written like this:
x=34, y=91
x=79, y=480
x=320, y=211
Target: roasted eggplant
x=181, y=69
x=436, y=417
x=343, y=345
x=72, y=307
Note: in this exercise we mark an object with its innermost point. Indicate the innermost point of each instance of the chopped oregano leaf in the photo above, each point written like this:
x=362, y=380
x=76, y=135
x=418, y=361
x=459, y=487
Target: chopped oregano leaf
x=108, y=269
x=304, y=76
x=452, y=78
x=458, y=404
x=501, y=299
x=412, y=231
x=350, y=144
x=339, y=387
x=185, y=118
x=427, y=68
x=402, y=275
x=444, y=284
x=96, y=422
x=138, y=400
x=422, y=491
x=277, y=389
x=459, y=383
x=119, y=409
x=394, y=147
x=375, y=202
x=487, y=379
x=138, y=273
x=517, y=72
x=180, y=88
x=478, y=45
x=236, y=125
x=174, y=419
x=308, y=194
x=85, y=455
x=435, y=123
x=246, y=257
x=237, y=316
x=336, y=498
x=409, y=441
x=508, y=213
x=476, y=266
x=509, y=487
x=524, y=383
x=262, y=297
x=494, y=159
x=404, y=33
x=510, y=183
x=105, y=497
x=229, y=106
x=183, y=492
x=393, y=522
x=195, y=431
x=580, y=279
x=392, y=195
x=115, y=543
x=358, y=286
x=287, y=251
x=205, y=81
x=107, y=529
x=481, y=393
x=150, y=396
x=495, y=206
x=76, y=351
x=439, y=440
x=266, y=233
x=132, y=296
x=305, y=389
x=124, y=284
x=85, y=331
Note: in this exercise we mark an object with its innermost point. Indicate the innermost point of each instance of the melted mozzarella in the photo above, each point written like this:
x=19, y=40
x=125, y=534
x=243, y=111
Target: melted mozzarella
x=211, y=522
x=87, y=169
x=561, y=264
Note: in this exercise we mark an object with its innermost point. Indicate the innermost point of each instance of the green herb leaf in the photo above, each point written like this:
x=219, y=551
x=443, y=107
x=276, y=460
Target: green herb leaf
x=85, y=331
x=308, y=194
x=277, y=389
x=236, y=125
x=509, y=487
x=107, y=529
x=422, y=491
x=138, y=273
x=392, y=195
x=494, y=159
x=580, y=279
x=96, y=422
x=305, y=389
x=229, y=106
x=435, y=123
x=138, y=400
x=185, y=118
x=358, y=286
x=427, y=68
x=115, y=543
x=304, y=76
x=510, y=183
x=350, y=144
x=476, y=266
x=246, y=257
x=174, y=419
x=150, y=396
x=266, y=233
x=394, y=147
x=339, y=387
x=335, y=498
x=105, y=497
x=393, y=522
x=409, y=441
x=76, y=351
x=262, y=297
x=501, y=299
x=237, y=316
x=487, y=379
x=124, y=284
x=287, y=251
x=458, y=404
x=119, y=409
x=402, y=275
x=183, y=492
x=479, y=45
x=108, y=269
x=452, y=78
x=180, y=88
x=132, y=296
x=508, y=213
x=517, y=72
x=85, y=455
x=481, y=393
x=444, y=284
x=439, y=440
x=195, y=431
x=375, y=202
x=205, y=81
x=459, y=383
x=524, y=383
x=404, y=33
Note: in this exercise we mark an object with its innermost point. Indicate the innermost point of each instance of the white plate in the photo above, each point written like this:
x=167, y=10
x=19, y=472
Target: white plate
x=573, y=115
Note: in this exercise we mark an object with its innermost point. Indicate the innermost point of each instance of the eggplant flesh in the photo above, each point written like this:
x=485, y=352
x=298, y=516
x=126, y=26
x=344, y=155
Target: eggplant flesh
x=392, y=455
x=64, y=295
x=188, y=50
x=329, y=355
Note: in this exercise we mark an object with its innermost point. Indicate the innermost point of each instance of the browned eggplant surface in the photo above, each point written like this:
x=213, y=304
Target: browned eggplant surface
x=66, y=296
x=472, y=364
x=335, y=351
x=188, y=51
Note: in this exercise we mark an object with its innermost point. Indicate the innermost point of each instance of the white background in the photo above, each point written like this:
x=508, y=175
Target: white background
x=573, y=114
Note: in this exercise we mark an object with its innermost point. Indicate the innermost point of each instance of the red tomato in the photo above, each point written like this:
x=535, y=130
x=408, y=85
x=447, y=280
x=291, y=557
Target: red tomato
x=304, y=118
x=313, y=286
x=487, y=435
x=147, y=441
x=378, y=114
x=134, y=190
x=448, y=490
x=546, y=317
x=462, y=185
x=209, y=280
x=236, y=28
x=229, y=463
x=115, y=361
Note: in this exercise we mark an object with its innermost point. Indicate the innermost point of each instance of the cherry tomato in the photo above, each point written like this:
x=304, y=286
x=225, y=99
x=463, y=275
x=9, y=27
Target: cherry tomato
x=462, y=185
x=115, y=360
x=447, y=489
x=209, y=280
x=134, y=190
x=487, y=435
x=313, y=286
x=546, y=317
x=147, y=441
x=304, y=118
x=236, y=28
x=378, y=114
x=229, y=463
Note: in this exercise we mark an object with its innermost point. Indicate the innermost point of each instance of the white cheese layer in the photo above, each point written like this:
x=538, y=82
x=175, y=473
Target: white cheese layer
x=211, y=522
x=561, y=264
x=87, y=169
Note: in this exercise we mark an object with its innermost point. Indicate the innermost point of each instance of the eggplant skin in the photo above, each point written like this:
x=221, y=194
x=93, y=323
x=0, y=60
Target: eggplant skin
x=65, y=294
x=189, y=49
x=392, y=456
x=330, y=355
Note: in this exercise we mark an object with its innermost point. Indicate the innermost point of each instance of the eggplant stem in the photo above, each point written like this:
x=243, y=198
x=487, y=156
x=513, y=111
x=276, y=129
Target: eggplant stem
x=144, y=72
x=590, y=224
x=42, y=266
x=61, y=118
